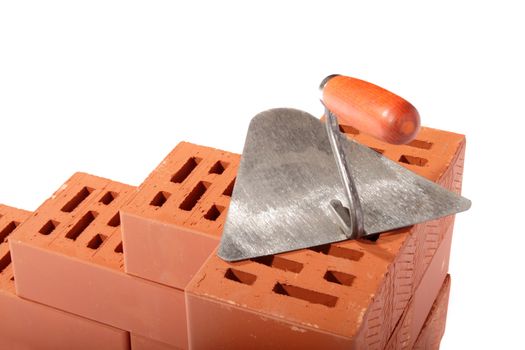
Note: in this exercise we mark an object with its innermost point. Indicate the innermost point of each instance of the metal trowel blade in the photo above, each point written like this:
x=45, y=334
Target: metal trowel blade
x=288, y=177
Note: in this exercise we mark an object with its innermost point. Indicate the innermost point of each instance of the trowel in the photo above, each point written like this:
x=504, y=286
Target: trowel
x=302, y=183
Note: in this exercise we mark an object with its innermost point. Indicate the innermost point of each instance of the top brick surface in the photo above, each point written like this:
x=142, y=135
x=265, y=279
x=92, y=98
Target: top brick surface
x=81, y=219
x=327, y=288
x=10, y=220
x=191, y=188
x=429, y=155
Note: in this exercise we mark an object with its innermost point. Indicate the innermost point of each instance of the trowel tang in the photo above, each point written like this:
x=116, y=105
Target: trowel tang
x=392, y=120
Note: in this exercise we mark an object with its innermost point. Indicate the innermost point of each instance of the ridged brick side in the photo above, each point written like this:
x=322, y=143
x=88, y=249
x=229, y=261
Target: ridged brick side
x=411, y=321
x=434, y=327
x=405, y=275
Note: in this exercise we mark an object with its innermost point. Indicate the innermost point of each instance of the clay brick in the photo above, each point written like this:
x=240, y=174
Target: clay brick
x=178, y=214
x=10, y=220
x=79, y=219
x=28, y=325
x=434, y=327
x=78, y=265
x=142, y=343
x=351, y=293
x=419, y=308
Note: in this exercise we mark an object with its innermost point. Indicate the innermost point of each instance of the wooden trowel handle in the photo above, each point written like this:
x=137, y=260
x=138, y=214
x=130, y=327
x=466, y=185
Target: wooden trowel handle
x=370, y=109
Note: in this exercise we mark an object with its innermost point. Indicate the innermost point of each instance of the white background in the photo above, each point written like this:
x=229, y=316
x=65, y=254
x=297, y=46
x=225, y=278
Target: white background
x=111, y=87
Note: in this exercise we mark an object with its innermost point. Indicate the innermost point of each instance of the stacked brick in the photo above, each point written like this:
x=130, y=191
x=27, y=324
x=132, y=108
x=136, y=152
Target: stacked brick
x=102, y=264
x=25, y=324
x=344, y=295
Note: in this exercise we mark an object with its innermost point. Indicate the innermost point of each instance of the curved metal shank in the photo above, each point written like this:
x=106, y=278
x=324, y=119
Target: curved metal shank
x=353, y=220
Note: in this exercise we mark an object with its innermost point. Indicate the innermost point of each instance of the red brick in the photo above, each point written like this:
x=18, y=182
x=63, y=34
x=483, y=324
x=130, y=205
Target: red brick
x=142, y=343
x=430, y=336
x=178, y=214
x=28, y=325
x=68, y=269
x=414, y=315
x=245, y=303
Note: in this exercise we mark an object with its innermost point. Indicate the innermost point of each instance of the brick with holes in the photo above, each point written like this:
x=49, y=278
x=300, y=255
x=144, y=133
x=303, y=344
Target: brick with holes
x=28, y=325
x=69, y=255
x=178, y=214
x=347, y=294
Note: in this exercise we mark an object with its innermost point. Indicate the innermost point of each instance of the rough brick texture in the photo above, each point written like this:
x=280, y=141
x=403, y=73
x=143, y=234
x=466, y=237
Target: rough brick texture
x=344, y=294
x=69, y=255
x=434, y=327
x=178, y=214
x=28, y=325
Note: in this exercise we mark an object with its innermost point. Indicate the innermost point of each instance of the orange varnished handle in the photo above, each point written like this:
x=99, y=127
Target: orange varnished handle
x=370, y=109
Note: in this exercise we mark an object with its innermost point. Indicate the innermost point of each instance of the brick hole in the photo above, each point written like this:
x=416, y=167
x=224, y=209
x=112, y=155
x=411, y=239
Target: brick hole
x=6, y=231
x=77, y=199
x=119, y=248
x=193, y=197
x=159, y=199
x=12, y=278
x=421, y=144
x=218, y=167
x=5, y=261
x=185, y=170
x=108, y=197
x=214, y=212
x=305, y=294
x=81, y=225
x=48, y=227
x=413, y=160
x=229, y=190
x=347, y=129
x=378, y=150
x=240, y=276
x=339, y=277
x=115, y=220
x=279, y=263
x=96, y=241
x=338, y=252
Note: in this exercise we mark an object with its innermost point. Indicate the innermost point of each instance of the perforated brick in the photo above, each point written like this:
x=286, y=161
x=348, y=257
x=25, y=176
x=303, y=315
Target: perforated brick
x=80, y=220
x=178, y=214
x=28, y=325
x=344, y=294
x=10, y=219
x=69, y=255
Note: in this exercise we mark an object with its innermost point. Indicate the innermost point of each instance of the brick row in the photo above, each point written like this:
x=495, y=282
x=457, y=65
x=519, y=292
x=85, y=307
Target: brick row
x=69, y=255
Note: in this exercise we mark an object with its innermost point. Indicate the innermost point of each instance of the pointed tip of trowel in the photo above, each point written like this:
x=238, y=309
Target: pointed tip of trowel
x=465, y=204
